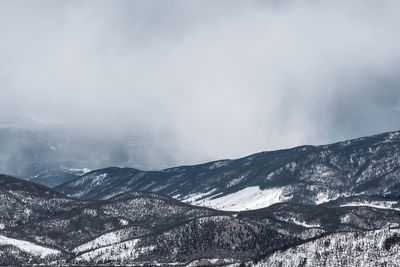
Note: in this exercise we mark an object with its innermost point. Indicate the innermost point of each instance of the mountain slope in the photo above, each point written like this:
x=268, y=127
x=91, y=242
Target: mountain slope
x=44, y=226
x=372, y=248
x=307, y=174
x=88, y=231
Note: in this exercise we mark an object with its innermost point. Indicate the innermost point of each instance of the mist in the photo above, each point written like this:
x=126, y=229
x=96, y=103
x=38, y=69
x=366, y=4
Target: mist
x=206, y=79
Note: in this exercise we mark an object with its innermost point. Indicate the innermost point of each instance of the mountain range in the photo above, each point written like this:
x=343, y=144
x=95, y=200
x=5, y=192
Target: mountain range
x=330, y=205
x=141, y=228
x=307, y=174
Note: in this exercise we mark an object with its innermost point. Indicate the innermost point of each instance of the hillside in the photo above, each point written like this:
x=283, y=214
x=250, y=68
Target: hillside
x=308, y=175
x=44, y=226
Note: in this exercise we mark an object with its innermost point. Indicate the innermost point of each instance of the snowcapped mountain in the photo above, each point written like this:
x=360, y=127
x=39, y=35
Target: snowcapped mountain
x=307, y=206
x=308, y=174
x=43, y=226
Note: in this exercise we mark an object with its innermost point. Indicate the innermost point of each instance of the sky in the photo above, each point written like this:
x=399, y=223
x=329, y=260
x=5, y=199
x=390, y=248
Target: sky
x=209, y=79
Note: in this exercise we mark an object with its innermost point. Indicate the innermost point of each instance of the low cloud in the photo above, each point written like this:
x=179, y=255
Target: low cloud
x=218, y=79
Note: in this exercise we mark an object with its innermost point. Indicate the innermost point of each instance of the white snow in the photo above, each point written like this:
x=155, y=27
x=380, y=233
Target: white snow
x=373, y=204
x=123, y=222
x=27, y=211
x=340, y=249
x=28, y=247
x=322, y=198
x=101, y=241
x=247, y=199
x=346, y=218
x=98, y=179
x=219, y=164
x=291, y=166
x=117, y=252
x=193, y=198
x=2, y=226
x=112, y=252
x=235, y=181
x=83, y=170
x=304, y=224
x=91, y=212
x=211, y=262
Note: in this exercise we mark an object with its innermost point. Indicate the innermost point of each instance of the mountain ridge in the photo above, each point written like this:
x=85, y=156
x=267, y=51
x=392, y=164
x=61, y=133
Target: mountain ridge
x=304, y=174
x=148, y=228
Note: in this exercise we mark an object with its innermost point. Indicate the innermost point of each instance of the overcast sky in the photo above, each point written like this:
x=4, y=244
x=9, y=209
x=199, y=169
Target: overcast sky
x=221, y=79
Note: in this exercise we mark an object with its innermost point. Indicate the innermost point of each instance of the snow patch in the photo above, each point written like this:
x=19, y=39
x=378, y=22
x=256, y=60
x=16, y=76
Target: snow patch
x=119, y=252
x=123, y=222
x=219, y=164
x=28, y=247
x=304, y=224
x=345, y=219
x=235, y=181
x=99, y=179
x=211, y=262
x=247, y=199
x=374, y=204
x=90, y=212
x=83, y=170
x=194, y=198
x=101, y=241
x=322, y=198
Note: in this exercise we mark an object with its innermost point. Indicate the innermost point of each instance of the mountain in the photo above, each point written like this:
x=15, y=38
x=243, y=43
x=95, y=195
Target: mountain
x=44, y=226
x=367, y=166
x=143, y=228
x=370, y=248
x=307, y=206
x=56, y=155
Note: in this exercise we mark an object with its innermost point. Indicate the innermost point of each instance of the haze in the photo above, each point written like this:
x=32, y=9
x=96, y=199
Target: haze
x=208, y=79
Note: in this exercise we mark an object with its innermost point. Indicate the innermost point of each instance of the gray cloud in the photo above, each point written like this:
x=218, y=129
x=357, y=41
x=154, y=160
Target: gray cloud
x=218, y=78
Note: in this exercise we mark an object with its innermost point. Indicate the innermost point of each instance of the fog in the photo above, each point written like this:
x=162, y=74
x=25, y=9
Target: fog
x=207, y=79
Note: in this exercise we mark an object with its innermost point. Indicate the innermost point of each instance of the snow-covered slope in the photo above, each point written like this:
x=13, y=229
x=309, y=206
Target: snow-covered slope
x=280, y=204
x=307, y=174
x=372, y=248
x=28, y=247
x=128, y=228
x=249, y=198
x=40, y=225
x=120, y=252
x=101, y=241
